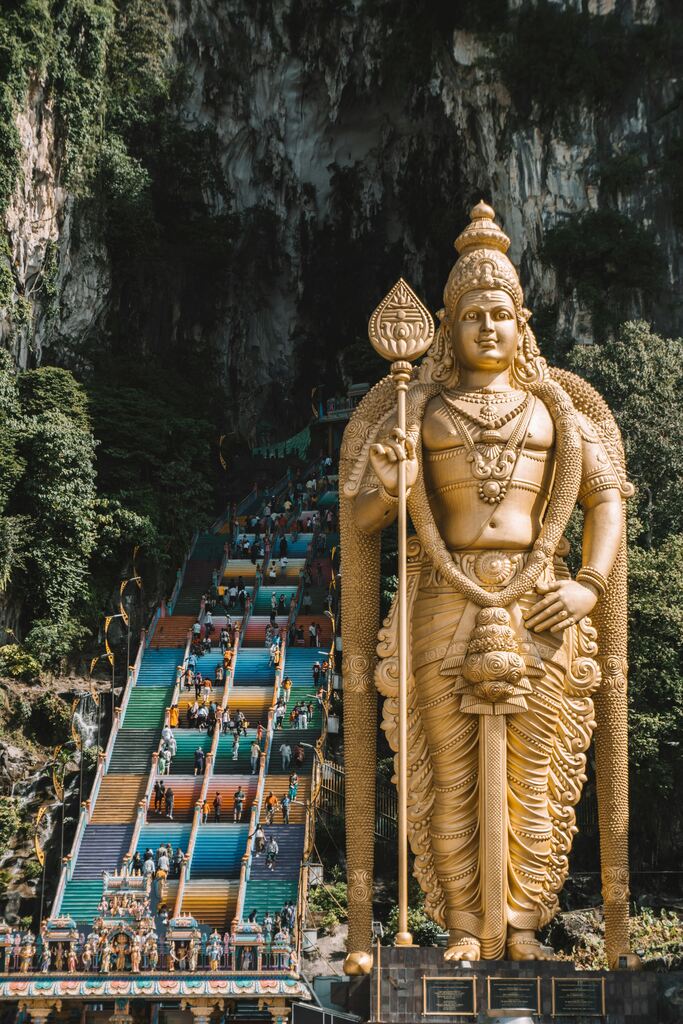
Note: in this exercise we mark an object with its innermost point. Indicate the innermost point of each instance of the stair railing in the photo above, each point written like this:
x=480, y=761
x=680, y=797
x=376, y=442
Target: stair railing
x=196, y=819
x=261, y=784
x=180, y=575
x=180, y=671
x=139, y=822
x=301, y=905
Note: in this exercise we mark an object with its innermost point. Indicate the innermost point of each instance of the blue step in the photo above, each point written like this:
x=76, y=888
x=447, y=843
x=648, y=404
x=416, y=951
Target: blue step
x=219, y=850
x=158, y=667
x=252, y=668
x=153, y=835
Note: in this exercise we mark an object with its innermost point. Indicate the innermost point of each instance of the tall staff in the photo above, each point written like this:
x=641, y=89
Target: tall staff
x=401, y=330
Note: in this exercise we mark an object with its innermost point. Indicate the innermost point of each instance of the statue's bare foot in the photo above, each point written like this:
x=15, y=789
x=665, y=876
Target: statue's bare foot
x=462, y=946
x=522, y=945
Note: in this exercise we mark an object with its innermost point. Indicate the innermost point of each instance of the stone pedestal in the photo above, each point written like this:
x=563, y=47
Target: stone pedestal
x=401, y=991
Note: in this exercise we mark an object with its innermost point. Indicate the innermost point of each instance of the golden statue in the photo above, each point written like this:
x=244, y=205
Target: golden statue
x=507, y=677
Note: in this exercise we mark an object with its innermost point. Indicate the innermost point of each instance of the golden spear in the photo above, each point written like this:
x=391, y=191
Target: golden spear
x=401, y=329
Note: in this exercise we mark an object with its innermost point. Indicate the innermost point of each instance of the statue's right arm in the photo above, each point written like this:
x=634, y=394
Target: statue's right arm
x=377, y=503
x=371, y=511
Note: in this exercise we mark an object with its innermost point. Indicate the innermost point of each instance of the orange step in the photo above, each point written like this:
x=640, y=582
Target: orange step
x=186, y=790
x=253, y=701
x=172, y=630
x=279, y=784
x=211, y=901
x=187, y=699
x=119, y=798
x=325, y=627
x=227, y=786
x=243, y=567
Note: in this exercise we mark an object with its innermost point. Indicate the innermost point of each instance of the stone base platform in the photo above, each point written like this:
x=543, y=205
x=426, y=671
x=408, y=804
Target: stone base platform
x=416, y=984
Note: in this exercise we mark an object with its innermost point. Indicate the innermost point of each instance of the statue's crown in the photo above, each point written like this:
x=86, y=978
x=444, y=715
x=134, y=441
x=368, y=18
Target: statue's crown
x=482, y=232
x=482, y=261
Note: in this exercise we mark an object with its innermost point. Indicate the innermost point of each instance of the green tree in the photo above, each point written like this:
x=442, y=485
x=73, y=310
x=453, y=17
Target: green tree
x=640, y=374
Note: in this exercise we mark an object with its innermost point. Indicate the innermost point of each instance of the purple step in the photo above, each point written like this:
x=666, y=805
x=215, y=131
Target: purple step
x=290, y=839
x=102, y=849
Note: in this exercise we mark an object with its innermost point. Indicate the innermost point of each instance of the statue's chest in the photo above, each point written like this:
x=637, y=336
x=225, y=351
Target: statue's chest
x=446, y=429
x=462, y=455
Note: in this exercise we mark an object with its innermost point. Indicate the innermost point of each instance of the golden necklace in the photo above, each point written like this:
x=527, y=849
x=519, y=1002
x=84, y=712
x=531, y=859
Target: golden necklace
x=492, y=461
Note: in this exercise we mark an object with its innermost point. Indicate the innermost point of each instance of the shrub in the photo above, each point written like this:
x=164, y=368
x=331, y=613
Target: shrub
x=32, y=870
x=328, y=904
x=10, y=822
x=50, y=642
x=17, y=663
x=21, y=711
x=424, y=931
x=51, y=719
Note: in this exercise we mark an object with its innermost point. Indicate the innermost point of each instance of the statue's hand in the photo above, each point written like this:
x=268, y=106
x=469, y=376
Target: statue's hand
x=566, y=602
x=385, y=458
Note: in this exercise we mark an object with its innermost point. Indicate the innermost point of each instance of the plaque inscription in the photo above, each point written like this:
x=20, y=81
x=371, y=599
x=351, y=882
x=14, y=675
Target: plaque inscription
x=449, y=996
x=514, y=994
x=578, y=996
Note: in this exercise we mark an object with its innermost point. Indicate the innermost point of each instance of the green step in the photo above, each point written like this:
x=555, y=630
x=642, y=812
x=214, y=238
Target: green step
x=146, y=707
x=133, y=749
x=272, y=896
x=81, y=899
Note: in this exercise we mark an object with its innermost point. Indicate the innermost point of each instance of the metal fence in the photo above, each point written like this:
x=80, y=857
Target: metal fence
x=331, y=800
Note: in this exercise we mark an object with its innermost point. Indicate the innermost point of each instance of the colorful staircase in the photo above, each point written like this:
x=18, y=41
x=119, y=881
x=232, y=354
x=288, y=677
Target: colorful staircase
x=118, y=799
x=211, y=901
x=218, y=850
x=252, y=668
x=209, y=886
x=102, y=849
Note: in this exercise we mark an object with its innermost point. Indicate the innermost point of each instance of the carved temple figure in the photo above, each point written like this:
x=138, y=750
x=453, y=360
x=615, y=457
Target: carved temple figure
x=508, y=674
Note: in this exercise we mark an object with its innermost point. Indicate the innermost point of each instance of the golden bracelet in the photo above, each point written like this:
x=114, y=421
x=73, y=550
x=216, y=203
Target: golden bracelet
x=386, y=498
x=587, y=574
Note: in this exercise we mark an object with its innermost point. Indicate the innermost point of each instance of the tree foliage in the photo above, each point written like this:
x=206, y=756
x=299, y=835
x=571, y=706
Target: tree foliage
x=640, y=374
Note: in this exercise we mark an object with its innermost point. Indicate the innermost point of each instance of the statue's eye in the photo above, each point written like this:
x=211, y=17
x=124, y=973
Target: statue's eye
x=503, y=314
x=471, y=314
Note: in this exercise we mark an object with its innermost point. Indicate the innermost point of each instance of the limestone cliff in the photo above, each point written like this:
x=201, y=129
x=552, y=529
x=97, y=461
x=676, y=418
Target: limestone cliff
x=318, y=149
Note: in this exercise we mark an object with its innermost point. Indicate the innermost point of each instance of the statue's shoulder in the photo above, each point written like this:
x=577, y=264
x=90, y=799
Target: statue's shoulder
x=595, y=420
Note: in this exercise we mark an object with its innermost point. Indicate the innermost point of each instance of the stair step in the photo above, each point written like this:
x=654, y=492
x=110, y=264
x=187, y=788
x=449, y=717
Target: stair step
x=119, y=798
x=268, y=895
x=80, y=900
x=219, y=850
x=133, y=750
x=290, y=839
x=102, y=849
x=212, y=902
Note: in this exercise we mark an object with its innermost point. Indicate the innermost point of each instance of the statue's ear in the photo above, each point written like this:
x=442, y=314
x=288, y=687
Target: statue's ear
x=525, y=315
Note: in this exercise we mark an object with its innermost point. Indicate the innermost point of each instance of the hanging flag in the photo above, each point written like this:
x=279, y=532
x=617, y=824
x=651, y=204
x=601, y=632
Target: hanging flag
x=110, y=653
x=58, y=782
x=220, y=452
x=75, y=733
x=124, y=613
x=314, y=407
x=40, y=853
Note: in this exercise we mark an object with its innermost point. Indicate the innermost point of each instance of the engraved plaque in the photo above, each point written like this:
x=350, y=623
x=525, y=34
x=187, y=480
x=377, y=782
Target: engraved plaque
x=574, y=997
x=515, y=994
x=449, y=997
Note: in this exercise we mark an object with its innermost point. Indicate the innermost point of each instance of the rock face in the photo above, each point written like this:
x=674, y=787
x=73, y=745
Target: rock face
x=348, y=140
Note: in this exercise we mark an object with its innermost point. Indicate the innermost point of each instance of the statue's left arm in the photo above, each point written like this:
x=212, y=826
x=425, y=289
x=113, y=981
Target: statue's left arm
x=600, y=496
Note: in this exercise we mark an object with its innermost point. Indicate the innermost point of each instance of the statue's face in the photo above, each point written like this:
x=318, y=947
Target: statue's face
x=485, y=332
